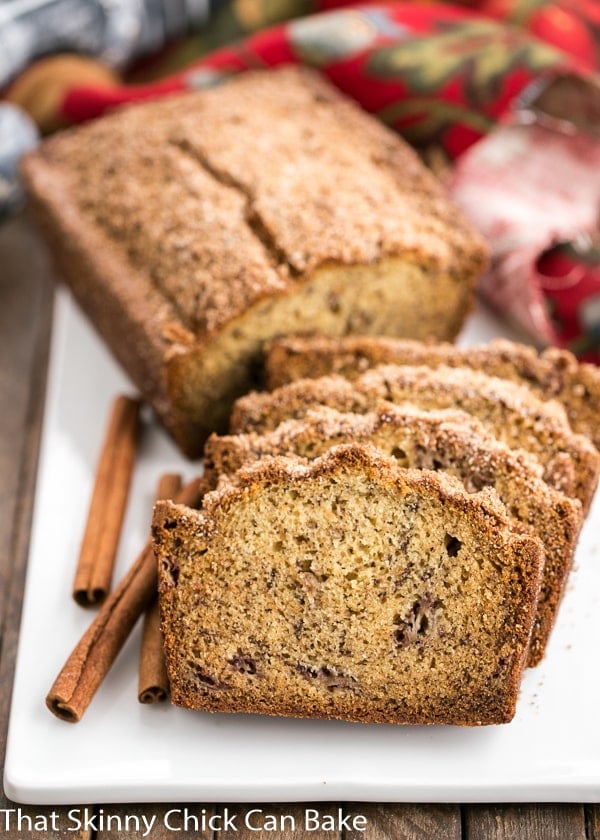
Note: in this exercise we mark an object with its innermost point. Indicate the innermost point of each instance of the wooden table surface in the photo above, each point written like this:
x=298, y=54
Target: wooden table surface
x=25, y=324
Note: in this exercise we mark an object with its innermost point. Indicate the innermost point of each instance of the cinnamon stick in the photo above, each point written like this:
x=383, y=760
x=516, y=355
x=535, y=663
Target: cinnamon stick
x=92, y=657
x=107, y=507
x=153, y=682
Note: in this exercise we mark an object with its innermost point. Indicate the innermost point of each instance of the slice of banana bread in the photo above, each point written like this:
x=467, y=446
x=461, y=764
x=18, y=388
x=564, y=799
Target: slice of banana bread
x=451, y=441
x=195, y=228
x=553, y=374
x=351, y=589
x=510, y=412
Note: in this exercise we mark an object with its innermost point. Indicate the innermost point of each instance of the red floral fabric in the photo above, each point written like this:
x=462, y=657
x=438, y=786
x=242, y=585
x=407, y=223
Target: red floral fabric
x=573, y=26
x=569, y=277
x=439, y=74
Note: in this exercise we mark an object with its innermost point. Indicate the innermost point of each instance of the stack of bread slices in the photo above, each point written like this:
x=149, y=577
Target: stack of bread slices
x=387, y=532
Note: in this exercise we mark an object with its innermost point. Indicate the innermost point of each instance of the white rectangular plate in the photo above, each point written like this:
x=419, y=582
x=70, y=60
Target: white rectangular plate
x=125, y=752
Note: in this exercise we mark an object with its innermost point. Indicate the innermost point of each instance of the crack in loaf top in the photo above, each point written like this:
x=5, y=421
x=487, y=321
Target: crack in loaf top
x=225, y=196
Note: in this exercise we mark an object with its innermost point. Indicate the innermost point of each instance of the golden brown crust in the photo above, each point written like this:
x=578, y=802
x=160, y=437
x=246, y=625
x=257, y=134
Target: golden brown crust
x=326, y=206
x=450, y=441
x=184, y=203
x=211, y=551
x=130, y=314
x=552, y=374
x=171, y=230
x=511, y=412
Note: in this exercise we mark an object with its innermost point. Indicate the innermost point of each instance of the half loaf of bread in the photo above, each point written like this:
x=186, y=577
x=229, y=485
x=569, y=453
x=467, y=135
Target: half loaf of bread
x=450, y=441
x=350, y=588
x=195, y=228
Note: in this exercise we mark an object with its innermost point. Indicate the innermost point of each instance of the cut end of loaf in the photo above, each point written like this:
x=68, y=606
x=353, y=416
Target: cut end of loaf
x=188, y=252
x=350, y=589
x=396, y=297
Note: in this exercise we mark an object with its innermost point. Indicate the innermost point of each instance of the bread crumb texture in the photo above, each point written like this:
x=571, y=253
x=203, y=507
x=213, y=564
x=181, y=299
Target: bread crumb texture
x=348, y=588
x=442, y=440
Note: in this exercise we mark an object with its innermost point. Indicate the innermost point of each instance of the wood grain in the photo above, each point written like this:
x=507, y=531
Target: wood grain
x=25, y=295
x=525, y=822
x=592, y=822
x=408, y=822
x=25, y=317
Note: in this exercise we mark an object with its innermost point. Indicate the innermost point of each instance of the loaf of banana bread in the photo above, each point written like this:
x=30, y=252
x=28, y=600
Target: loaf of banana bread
x=195, y=228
